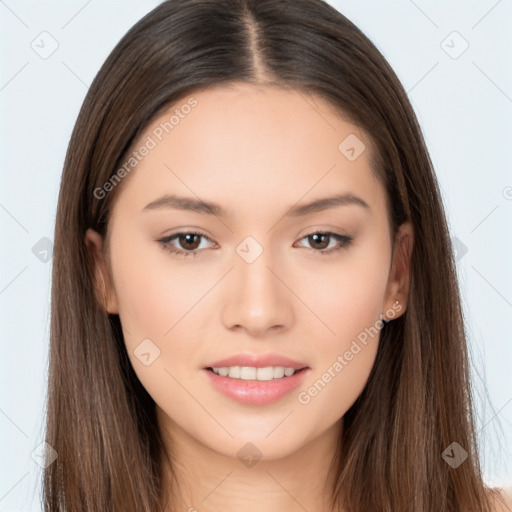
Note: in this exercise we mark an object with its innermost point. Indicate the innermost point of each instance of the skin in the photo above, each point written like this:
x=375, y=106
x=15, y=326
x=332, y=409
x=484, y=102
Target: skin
x=257, y=151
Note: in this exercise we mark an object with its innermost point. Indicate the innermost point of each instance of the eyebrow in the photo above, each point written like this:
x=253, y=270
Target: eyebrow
x=210, y=208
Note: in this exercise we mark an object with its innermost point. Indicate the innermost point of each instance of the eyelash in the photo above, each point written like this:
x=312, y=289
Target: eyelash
x=344, y=241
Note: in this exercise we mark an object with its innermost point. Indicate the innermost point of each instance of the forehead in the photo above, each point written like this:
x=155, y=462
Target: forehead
x=252, y=147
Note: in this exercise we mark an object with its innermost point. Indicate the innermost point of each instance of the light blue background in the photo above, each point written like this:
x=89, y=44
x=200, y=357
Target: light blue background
x=464, y=106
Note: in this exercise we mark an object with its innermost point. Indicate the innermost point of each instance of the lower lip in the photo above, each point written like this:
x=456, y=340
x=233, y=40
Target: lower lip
x=256, y=392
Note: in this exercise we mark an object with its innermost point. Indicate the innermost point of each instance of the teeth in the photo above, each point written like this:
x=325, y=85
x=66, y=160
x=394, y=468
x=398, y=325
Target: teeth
x=233, y=372
x=252, y=373
x=278, y=372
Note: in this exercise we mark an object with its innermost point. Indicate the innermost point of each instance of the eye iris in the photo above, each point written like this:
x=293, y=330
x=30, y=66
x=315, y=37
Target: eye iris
x=187, y=238
x=315, y=237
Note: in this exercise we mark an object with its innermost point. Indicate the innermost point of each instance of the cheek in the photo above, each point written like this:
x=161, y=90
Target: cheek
x=348, y=297
x=156, y=305
x=153, y=293
x=348, y=293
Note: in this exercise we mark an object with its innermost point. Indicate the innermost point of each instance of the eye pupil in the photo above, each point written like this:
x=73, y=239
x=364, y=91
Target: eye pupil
x=315, y=237
x=187, y=238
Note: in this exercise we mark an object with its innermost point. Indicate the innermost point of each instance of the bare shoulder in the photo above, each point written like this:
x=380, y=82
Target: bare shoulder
x=505, y=503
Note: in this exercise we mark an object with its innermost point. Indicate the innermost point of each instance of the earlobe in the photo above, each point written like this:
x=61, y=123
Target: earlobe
x=104, y=290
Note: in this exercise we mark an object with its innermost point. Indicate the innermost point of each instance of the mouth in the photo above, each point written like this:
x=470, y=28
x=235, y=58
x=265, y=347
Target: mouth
x=256, y=385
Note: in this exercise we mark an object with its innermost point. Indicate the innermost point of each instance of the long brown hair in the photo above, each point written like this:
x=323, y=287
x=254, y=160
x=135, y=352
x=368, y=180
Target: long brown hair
x=417, y=401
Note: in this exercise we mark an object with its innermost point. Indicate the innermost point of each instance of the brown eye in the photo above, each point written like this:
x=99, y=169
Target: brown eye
x=320, y=241
x=185, y=243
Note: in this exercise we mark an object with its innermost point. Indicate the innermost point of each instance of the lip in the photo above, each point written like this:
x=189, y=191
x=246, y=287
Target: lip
x=257, y=361
x=256, y=392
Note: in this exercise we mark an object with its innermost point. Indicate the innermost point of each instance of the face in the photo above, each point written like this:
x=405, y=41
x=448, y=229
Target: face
x=259, y=279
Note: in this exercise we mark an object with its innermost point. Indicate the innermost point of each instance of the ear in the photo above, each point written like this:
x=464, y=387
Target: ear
x=397, y=291
x=104, y=289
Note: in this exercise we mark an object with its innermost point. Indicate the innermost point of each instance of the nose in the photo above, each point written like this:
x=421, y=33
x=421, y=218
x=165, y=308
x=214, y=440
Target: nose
x=257, y=298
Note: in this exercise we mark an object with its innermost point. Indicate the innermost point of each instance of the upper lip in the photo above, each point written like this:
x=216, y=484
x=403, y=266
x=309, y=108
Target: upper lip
x=257, y=361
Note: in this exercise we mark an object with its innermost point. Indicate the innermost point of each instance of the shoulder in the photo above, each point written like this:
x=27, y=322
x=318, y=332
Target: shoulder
x=504, y=504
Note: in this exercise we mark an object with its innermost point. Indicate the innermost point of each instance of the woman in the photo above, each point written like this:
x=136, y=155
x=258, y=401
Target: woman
x=254, y=299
